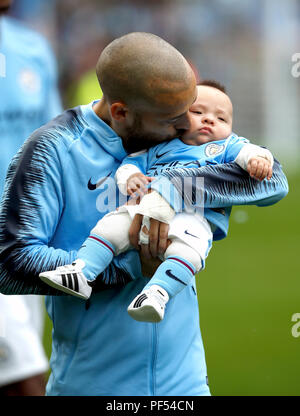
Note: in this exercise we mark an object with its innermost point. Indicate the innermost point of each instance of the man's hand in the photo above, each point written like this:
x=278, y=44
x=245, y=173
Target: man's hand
x=154, y=207
x=136, y=184
x=259, y=168
x=158, y=237
x=149, y=266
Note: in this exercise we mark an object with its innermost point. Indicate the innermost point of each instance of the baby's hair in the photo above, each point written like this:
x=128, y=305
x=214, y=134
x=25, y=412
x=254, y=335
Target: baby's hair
x=213, y=84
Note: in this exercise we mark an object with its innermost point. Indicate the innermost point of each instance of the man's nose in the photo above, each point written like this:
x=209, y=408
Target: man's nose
x=184, y=123
x=207, y=119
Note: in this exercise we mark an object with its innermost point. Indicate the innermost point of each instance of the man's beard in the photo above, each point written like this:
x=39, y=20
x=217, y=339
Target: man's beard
x=4, y=10
x=5, y=6
x=136, y=139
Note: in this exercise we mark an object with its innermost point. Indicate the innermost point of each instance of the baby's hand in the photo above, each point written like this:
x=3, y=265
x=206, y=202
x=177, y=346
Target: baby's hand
x=259, y=168
x=136, y=184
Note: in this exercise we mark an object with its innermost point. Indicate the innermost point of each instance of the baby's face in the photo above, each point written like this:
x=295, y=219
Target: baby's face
x=210, y=117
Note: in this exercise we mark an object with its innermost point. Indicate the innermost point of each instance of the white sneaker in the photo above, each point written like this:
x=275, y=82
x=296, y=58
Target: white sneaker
x=69, y=279
x=149, y=305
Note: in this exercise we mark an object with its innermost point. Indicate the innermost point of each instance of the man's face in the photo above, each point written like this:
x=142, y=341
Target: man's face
x=210, y=117
x=5, y=5
x=163, y=123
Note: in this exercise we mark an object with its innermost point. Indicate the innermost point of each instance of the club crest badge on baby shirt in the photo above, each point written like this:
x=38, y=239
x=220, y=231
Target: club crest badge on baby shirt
x=214, y=149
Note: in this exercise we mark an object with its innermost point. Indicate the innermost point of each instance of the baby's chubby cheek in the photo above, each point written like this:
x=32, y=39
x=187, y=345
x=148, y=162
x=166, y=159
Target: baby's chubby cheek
x=223, y=132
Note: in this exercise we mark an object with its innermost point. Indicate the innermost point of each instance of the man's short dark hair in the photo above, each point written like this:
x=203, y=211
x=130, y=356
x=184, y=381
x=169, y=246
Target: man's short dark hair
x=139, y=67
x=214, y=84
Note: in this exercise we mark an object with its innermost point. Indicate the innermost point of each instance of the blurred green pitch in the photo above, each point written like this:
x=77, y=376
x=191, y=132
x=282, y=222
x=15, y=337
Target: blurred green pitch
x=247, y=295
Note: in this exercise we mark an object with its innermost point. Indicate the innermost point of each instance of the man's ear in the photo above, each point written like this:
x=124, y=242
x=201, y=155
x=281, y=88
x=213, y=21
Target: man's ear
x=119, y=111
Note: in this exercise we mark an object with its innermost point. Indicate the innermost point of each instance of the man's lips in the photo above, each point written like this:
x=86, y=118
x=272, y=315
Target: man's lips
x=205, y=130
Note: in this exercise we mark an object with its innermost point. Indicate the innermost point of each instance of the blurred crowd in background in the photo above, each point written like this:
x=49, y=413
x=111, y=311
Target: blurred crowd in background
x=246, y=45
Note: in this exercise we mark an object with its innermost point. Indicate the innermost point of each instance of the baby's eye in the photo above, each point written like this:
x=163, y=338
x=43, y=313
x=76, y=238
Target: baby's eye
x=196, y=112
x=221, y=118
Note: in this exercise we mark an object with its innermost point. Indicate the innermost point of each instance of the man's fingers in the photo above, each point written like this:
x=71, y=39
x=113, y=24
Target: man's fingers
x=149, y=266
x=163, y=237
x=145, y=252
x=158, y=236
x=134, y=230
x=153, y=236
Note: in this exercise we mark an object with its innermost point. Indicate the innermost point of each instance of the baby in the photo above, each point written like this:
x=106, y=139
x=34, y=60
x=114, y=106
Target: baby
x=208, y=140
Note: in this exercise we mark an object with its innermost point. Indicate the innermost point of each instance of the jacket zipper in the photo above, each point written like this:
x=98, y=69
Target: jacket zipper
x=76, y=341
x=153, y=361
